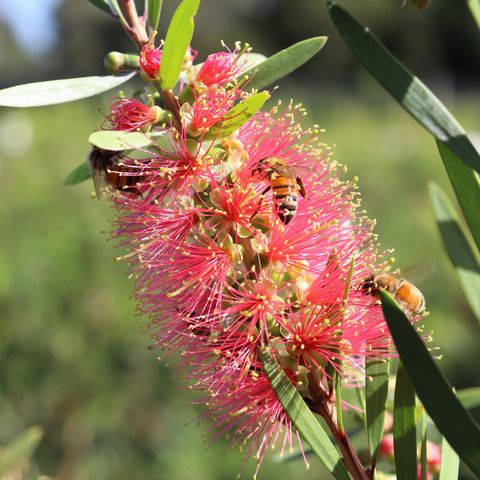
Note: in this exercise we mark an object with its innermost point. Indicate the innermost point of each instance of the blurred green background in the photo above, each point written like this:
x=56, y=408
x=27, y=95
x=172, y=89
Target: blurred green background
x=73, y=355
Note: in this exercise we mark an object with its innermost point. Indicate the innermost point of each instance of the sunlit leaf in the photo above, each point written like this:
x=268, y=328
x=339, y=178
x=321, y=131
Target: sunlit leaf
x=466, y=183
x=283, y=62
x=474, y=6
x=433, y=390
x=407, y=89
x=179, y=36
x=238, y=115
x=376, y=393
x=154, y=10
x=404, y=427
x=81, y=173
x=470, y=397
x=303, y=419
x=102, y=5
x=461, y=254
x=19, y=450
x=119, y=140
x=450, y=462
x=59, y=91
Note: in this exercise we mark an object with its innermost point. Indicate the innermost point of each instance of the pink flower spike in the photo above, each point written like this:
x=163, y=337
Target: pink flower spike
x=219, y=68
x=150, y=59
x=209, y=108
x=129, y=114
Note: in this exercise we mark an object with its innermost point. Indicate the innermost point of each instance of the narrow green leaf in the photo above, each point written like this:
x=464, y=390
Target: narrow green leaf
x=474, y=6
x=102, y=5
x=81, y=173
x=470, y=397
x=450, y=462
x=303, y=419
x=376, y=393
x=238, y=115
x=250, y=60
x=404, y=429
x=154, y=9
x=119, y=140
x=179, y=36
x=59, y=91
x=433, y=390
x=19, y=450
x=423, y=446
x=407, y=89
x=283, y=62
x=461, y=254
x=466, y=184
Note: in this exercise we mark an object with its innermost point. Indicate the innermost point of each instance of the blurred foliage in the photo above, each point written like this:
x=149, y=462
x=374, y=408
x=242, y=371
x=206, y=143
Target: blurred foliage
x=73, y=356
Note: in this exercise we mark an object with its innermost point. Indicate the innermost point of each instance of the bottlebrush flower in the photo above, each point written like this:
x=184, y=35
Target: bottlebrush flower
x=150, y=58
x=221, y=275
x=209, y=108
x=220, y=68
x=129, y=114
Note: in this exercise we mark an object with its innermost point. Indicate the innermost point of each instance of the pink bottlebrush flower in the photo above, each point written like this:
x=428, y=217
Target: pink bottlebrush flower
x=386, y=446
x=221, y=275
x=209, y=108
x=129, y=114
x=150, y=59
x=220, y=68
x=434, y=457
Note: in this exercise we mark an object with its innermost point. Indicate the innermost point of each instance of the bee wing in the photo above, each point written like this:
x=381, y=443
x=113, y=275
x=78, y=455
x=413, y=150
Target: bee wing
x=99, y=182
x=417, y=274
x=96, y=160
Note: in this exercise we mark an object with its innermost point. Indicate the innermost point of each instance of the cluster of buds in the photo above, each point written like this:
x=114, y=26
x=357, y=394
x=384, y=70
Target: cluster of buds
x=242, y=240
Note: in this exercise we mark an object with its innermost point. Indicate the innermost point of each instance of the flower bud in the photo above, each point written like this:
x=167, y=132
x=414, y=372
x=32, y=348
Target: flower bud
x=116, y=62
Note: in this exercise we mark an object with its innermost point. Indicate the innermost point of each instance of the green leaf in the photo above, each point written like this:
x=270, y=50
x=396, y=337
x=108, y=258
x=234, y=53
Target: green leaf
x=238, y=115
x=154, y=9
x=102, y=5
x=19, y=450
x=466, y=184
x=463, y=258
x=303, y=419
x=404, y=429
x=443, y=407
x=179, y=36
x=376, y=393
x=283, y=62
x=470, y=397
x=407, y=89
x=80, y=174
x=474, y=6
x=450, y=462
x=119, y=140
x=423, y=446
x=59, y=91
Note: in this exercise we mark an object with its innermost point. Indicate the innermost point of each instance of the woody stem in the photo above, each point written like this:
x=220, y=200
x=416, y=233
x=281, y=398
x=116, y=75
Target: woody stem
x=321, y=407
x=135, y=26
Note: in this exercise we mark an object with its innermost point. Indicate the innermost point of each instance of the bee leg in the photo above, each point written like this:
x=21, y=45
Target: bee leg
x=260, y=203
x=301, y=188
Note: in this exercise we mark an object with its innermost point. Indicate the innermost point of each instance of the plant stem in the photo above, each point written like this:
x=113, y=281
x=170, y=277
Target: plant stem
x=321, y=407
x=352, y=463
x=135, y=27
x=171, y=103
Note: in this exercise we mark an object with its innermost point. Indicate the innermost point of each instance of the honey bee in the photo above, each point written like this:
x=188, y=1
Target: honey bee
x=409, y=297
x=285, y=186
x=109, y=171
